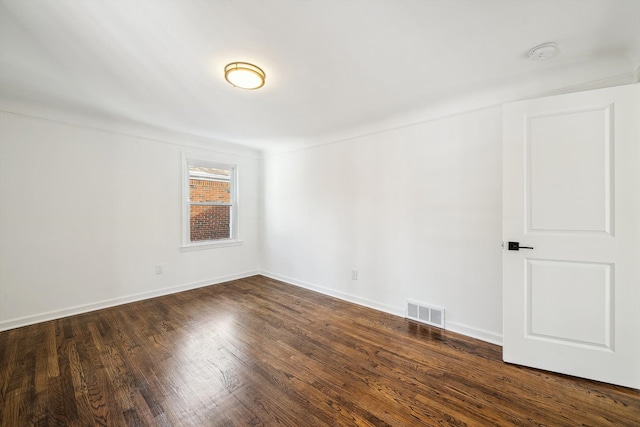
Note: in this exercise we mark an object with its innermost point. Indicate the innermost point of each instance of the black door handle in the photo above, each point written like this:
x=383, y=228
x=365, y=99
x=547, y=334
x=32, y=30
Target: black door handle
x=515, y=246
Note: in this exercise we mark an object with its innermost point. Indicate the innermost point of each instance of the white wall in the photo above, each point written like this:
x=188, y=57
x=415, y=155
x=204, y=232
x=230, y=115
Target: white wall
x=86, y=214
x=417, y=211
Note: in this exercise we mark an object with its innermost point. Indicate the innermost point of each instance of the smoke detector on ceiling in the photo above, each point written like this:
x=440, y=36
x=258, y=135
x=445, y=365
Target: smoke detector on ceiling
x=543, y=52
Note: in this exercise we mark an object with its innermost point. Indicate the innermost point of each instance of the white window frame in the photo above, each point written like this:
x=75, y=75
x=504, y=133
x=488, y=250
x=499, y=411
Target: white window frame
x=201, y=161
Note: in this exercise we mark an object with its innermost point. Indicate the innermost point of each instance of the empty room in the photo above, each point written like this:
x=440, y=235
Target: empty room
x=319, y=213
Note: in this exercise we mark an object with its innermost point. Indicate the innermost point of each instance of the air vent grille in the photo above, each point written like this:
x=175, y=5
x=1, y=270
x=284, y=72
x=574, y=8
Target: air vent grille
x=423, y=313
x=412, y=310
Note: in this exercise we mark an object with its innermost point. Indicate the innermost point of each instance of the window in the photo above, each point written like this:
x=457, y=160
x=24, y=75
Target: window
x=210, y=204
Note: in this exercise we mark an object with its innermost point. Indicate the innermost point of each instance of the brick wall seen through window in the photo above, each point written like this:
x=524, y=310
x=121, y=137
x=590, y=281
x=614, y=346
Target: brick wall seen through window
x=210, y=201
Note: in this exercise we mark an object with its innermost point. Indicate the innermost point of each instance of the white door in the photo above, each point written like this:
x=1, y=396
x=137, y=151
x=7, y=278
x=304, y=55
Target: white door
x=571, y=191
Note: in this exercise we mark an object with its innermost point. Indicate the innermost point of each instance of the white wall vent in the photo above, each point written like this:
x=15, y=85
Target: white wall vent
x=428, y=314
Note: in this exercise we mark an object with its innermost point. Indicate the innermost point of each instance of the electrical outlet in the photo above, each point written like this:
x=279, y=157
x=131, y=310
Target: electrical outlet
x=159, y=269
x=354, y=274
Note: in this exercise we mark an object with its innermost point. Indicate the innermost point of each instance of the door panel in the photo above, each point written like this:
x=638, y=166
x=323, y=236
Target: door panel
x=571, y=190
x=553, y=311
x=575, y=199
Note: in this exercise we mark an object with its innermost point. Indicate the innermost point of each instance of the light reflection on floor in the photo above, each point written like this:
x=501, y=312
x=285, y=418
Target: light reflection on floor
x=203, y=371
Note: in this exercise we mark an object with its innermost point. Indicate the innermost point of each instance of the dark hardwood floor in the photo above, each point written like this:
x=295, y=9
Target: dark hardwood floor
x=259, y=352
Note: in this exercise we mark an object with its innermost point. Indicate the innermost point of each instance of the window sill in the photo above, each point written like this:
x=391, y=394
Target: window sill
x=210, y=245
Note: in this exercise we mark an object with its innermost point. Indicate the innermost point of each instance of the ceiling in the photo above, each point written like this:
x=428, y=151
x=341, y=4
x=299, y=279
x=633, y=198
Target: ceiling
x=335, y=69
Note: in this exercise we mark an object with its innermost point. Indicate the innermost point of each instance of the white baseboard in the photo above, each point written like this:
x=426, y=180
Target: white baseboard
x=336, y=294
x=470, y=331
x=79, y=309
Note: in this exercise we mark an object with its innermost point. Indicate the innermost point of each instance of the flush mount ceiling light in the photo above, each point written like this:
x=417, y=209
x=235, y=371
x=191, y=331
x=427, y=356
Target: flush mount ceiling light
x=543, y=52
x=244, y=75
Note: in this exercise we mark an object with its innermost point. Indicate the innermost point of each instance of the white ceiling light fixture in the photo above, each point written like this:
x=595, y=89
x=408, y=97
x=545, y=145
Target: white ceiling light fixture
x=244, y=75
x=543, y=52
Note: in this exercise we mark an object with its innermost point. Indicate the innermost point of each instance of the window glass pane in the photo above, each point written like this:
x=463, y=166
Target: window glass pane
x=210, y=222
x=209, y=185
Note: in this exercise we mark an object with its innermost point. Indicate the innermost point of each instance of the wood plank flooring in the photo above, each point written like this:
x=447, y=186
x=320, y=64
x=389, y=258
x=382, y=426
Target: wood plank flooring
x=258, y=352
